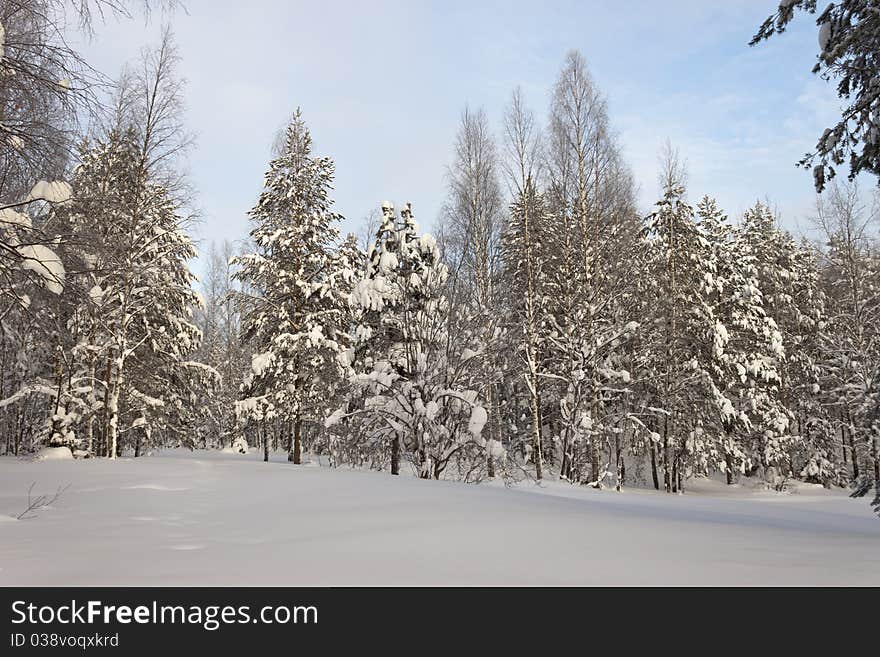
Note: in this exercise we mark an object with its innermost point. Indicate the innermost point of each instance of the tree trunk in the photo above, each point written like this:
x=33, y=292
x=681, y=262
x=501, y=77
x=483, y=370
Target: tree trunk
x=667, y=474
x=618, y=463
x=106, y=409
x=565, y=468
x=297, y=440
x=424, y=466
x=679, y=471
x=490, y=461
x=57, y=426
x=875, y=455
x=654, y=467
x=113, y=417
x=19, y=435
x=539, y=461
x=595, y=450
x=395, y=455
x=265, y=435
x=535, y=403
x=855, y=457
x=594, y=461
x=90, y=423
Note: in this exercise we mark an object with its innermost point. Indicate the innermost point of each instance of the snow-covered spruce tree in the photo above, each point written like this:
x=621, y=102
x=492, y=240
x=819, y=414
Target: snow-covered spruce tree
x=167, y=380
x=296, y=318
x=849, y=40
x=413, y=359
x=30, y=260
x=787, y=276
x=340, y=440
x=680, y=342
x=746, y=369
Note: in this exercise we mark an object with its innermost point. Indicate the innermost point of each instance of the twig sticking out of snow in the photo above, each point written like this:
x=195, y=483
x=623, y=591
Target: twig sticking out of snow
x=34, y=504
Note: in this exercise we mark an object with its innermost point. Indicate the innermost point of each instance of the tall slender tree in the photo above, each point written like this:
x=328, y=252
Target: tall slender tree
x=295, y=318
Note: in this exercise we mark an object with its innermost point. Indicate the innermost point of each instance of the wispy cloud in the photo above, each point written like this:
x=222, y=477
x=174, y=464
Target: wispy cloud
x=382, y=85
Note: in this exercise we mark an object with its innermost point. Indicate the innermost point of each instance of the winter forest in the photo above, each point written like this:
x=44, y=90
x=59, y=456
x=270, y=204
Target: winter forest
x=546, y=329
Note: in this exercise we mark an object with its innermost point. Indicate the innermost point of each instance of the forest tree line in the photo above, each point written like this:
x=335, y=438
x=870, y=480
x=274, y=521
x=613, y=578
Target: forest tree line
x=548, y=328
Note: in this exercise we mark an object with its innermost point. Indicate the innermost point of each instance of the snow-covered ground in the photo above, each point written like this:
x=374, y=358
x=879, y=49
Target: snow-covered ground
x=213, y=518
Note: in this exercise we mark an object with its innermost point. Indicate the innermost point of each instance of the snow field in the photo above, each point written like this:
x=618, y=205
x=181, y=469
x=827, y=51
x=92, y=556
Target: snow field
x=226, y=519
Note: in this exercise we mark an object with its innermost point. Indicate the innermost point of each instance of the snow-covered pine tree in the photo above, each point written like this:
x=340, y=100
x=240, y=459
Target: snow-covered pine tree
x=296, y=318
x=680, y=342
x=415, y=366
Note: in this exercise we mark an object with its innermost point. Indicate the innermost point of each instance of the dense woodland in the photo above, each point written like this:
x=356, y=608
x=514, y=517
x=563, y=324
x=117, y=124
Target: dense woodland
x=549, y=328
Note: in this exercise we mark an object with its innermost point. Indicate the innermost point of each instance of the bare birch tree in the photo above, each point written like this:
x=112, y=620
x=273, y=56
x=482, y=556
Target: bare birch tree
x=474, y=218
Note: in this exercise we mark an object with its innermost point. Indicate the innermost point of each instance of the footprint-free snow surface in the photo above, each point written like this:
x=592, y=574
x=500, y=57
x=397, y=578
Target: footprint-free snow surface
x=183, y=518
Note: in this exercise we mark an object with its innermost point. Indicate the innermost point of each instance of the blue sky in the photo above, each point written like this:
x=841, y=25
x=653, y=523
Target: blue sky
x=382, y=85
